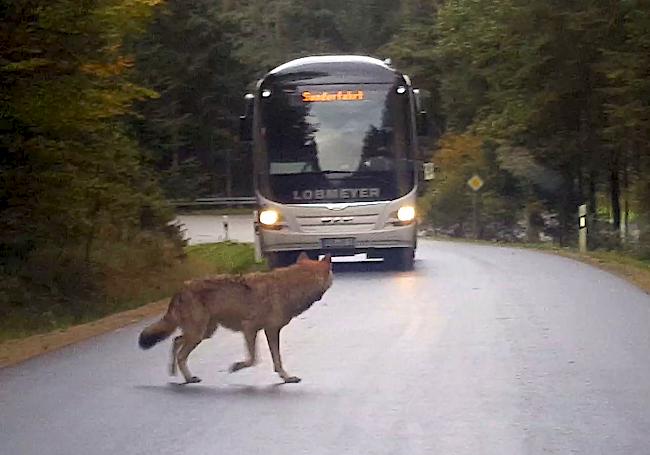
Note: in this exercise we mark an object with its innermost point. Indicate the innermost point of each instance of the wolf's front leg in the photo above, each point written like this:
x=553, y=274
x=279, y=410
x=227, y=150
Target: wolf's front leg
x=273, y=338
x=250, y=335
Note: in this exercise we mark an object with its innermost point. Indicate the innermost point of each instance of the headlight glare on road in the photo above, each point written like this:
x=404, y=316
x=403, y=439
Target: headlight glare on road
x=269, y=217
x=406, y=213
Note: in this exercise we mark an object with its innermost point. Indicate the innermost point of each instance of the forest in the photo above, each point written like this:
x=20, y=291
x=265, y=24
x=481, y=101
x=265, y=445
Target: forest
x=111, y=108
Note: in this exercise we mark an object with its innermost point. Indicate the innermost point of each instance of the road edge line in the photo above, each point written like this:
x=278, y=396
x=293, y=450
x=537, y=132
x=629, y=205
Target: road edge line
x=13, y=352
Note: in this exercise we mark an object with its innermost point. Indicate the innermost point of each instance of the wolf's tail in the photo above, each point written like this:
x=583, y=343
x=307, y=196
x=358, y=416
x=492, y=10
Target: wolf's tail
x=160, y=330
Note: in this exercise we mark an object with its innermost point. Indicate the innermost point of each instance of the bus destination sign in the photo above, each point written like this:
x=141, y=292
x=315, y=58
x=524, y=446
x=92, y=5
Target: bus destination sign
x=321, y=97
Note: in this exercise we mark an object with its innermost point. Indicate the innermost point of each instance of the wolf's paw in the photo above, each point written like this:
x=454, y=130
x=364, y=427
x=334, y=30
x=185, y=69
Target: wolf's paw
x=238, y=366
x=193, y=380
x=292, y=380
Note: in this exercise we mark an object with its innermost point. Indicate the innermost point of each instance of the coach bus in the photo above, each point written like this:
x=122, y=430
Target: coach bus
x=335, y=159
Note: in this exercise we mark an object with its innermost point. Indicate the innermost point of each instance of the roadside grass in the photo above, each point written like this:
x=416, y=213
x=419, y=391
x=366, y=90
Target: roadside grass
x=225, y=257
x=634, y=270
x=130, y=287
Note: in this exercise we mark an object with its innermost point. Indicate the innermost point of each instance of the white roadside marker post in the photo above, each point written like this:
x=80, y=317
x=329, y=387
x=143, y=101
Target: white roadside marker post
x=226, y=234
x=582, y=228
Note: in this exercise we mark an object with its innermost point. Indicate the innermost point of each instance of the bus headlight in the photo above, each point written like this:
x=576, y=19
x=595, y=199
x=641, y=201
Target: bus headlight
x=268, y=217
x=406, y=213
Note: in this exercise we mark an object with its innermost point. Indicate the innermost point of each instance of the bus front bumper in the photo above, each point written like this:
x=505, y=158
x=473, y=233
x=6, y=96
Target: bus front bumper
x=339, y=244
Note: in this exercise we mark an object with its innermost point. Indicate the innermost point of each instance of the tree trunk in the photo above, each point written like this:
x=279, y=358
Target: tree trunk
x=90, y=235
x=626, y=209
x=534, y=221
x=228, y=173
x=592, y=206
x=615, y=193
x=592, y=210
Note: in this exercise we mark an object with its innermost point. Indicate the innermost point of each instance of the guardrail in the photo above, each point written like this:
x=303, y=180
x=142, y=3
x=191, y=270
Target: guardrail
x=216, y=202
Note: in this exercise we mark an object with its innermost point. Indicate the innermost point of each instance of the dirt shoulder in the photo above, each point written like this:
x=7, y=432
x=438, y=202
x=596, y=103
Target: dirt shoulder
x=203, y=260
x=16, y=351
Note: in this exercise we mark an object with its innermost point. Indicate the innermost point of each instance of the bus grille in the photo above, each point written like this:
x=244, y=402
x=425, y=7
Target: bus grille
x=334, y=224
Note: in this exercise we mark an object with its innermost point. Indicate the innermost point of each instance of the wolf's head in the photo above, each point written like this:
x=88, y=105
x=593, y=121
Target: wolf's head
x=323, y=267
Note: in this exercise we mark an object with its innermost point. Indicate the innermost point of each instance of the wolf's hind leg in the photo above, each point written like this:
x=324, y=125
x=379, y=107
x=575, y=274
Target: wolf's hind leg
x=273, y=338
x=250, y=335
x=212, y=327
x=188, y=346
x=176, y=345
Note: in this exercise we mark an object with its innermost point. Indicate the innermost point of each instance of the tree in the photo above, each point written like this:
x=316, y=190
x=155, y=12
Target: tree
x=626, y=67
x=413, y=49
x=509, y=75
x=189, y=128
x=71, y=177
x=460, y=156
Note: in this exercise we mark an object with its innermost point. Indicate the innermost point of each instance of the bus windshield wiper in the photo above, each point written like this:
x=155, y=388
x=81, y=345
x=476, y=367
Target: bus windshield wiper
x=328, y=172
x=355, y=173
x=317, y=173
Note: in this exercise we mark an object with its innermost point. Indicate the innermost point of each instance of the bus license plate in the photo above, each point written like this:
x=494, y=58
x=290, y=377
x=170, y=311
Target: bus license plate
x=338, y=243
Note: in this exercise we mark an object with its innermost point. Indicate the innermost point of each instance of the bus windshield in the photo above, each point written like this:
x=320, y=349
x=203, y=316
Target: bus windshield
x=337, y=143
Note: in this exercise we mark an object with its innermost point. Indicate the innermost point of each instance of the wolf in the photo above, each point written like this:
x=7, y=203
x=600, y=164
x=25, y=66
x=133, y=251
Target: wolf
x=245, y=303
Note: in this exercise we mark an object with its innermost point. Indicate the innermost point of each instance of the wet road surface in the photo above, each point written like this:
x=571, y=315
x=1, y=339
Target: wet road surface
x=480, y=350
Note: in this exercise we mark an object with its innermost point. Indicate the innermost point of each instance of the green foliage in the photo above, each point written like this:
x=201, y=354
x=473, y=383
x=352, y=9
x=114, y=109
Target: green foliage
x=413, y=49
x=130, y=284
x=558, y=88
x=72, y=181
x=274, y=31
x=185, y=180
x=189, y=129
x=452, y=201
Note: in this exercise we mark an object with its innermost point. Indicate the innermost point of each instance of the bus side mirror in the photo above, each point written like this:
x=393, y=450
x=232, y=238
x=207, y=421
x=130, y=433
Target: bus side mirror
x=246, y=120
x=421, y=118
x=422, y=123
x=245, y=129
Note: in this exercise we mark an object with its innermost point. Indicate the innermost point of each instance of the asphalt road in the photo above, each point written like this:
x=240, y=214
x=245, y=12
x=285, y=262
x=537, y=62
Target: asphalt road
x=480, y=350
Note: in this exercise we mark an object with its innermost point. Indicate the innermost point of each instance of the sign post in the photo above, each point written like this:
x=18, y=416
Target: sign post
x=475, y=183
x=582, y=228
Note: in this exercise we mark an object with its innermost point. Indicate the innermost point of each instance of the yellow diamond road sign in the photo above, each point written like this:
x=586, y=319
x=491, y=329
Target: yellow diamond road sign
x=475, y=183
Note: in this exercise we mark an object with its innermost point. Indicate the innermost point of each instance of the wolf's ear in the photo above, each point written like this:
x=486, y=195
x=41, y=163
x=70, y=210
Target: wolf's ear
x=303, y=257
x=327, y=258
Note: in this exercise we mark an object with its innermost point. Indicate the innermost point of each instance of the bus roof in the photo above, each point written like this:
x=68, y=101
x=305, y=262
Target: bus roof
x=320, y=60
x=332, y=69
